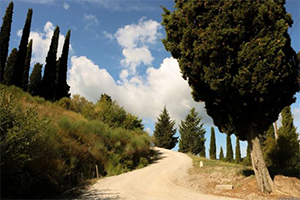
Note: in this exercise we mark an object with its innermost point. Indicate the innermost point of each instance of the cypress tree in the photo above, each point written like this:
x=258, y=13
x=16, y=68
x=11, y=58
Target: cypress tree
x=35, y=80
x=62, y=86
x=27, y=67
x=287, y=151
x=9, y=68
x=238, y=59
x=237, y=151
x=202, y=152
x=221, y=156
x=229, y=151
x=50, y=75
x=164, y=131
x=212, y=149
x=192, y=134
x=4, y=37
x=248, y=159
x=22, y=52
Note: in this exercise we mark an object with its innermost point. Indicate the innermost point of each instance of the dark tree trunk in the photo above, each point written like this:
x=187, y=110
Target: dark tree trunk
x=263, y=178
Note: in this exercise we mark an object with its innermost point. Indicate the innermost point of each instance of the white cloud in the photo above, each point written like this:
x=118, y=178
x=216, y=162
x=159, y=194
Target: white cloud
x=135, y=40
x=135, y=57
x=66, y=5
x=108, y=36
x=41, y=43
x=144, y=97
x=91, y=21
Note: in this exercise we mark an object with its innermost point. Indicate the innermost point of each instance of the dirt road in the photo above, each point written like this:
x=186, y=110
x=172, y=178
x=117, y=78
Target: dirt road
x=154, y=182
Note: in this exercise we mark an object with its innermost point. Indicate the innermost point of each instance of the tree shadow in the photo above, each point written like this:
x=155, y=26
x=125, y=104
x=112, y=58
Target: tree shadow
x=156, y=155
x=275, y=171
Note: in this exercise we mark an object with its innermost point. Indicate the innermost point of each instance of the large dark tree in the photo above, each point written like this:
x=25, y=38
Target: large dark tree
x=164, y=131
x=4, y=37
x=9, y=68
x=213, y=148
x=62, y=86
x=27, y=67
x=34, y=87
x=237, y=58
x=50, y=75
x=22, y=52
x=229, y=151
x=192, y=134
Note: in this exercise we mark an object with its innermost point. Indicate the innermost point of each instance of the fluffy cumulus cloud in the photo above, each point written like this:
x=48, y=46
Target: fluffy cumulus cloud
x=135, y=40
x=144, y=97
x=41, y=43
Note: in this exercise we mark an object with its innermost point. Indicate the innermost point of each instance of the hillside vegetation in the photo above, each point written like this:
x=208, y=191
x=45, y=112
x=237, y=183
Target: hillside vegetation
x=47, y=148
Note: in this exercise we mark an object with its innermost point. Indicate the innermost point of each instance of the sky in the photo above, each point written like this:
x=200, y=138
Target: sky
x=116, y=49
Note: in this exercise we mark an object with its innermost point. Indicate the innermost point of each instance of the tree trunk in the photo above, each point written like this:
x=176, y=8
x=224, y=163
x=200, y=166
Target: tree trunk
x=263, y=178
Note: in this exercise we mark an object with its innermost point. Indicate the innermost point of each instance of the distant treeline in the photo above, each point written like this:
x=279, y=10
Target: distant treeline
x=14, y=69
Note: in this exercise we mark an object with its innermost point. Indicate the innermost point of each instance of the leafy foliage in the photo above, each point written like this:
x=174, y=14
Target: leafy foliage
x=164, y=131
x=192, y=134
x=46, y=149
x=213, y=148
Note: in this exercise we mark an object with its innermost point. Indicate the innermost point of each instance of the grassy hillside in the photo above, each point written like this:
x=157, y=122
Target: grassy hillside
x=47, y=148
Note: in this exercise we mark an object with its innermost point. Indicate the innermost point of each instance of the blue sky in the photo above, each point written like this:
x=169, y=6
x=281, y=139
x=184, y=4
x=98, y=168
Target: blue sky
x=116, y=49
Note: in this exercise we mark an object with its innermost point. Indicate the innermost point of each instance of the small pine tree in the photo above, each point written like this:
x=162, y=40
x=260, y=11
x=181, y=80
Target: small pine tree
x=212, y=149
x=22, y=52
x=229, y=151
x=35, y=80
x=62, y=86
x=9, y=68
x=192, y=134
x=4, y=37
x=50, y=75
x=164, y=131
x=221, y=156
x=237, y=151
x=27, y=67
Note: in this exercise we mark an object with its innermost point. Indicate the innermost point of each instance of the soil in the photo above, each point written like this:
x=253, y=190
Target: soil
x=206, y=178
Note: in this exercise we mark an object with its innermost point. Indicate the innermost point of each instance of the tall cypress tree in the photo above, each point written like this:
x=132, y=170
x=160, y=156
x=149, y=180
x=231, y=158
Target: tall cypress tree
x=27, y=67
x=4, y=37
x=9, y=68
x=229, y=151
x=35, y=80
x=221, y=156
x=192, y=134
x=164, y=131
x=22, y=52
x=62, y=86
x=287, y=151
x=212, y=149
x=50, y=75
x=237, y=151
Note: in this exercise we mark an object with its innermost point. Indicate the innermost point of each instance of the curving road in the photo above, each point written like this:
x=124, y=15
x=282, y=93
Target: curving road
x=154, y=182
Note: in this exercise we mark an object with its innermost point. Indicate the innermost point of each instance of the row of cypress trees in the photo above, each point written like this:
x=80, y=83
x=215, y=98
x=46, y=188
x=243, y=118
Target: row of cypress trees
x=14, y=70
